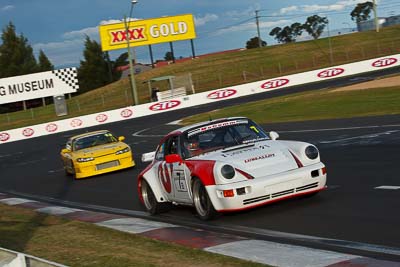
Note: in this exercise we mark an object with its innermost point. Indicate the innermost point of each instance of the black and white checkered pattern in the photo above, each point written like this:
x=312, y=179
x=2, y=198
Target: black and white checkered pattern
x=68, y=76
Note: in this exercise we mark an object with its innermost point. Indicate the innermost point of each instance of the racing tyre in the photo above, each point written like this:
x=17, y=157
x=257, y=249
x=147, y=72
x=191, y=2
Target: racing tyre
x=150, y=202
x=73, y=174
x=204, y=208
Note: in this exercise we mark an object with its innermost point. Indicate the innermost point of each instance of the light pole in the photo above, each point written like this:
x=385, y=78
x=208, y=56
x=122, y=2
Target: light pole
x=132, y=77
x=329, y=42
x=375, y=16
x=258, y=28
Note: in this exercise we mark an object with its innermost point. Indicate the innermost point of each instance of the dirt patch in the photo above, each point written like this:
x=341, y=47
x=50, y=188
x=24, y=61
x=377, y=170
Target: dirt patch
x=384, y=82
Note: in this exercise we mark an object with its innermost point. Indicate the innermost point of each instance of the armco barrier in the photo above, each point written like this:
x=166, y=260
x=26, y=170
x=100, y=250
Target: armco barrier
x=11, y=258
x=198, y=99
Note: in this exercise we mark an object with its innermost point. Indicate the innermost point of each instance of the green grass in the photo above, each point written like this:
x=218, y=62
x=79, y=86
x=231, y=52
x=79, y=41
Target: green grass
x=223, y=70
x=76, y=243
x=315, y=105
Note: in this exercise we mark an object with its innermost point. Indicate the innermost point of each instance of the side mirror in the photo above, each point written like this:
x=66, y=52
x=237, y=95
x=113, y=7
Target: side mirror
x=121, y=138
x=65, y=150
x=273, y=135
x=172, y=158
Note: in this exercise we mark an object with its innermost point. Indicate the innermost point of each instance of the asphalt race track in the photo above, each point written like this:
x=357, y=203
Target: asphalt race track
x=361, y=203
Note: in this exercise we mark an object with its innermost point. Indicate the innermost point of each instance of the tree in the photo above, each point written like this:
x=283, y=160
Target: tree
x=122, y=60
x=44, y=63
x=254, y=43
x=93, y=71
x=315, y=25
x=362, y=11
x=16, y=55
x=169, y=56
x=288, y=34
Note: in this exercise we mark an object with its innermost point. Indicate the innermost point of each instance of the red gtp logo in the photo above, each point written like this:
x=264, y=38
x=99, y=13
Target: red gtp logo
x=330, y=73
x=222, y=94
x=28, y=132
x=275, y=83
x=126, y=113
x=383, y=62
x=4, y=137
x=52, y=127
x=76, y=123
x=101, y=118
x=165, y=105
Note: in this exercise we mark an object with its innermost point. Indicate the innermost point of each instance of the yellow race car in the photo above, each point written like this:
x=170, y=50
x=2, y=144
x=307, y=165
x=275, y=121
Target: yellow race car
x=95, y=153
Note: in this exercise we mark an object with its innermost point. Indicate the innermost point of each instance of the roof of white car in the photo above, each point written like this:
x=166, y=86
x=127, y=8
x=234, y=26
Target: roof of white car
x=197, y=125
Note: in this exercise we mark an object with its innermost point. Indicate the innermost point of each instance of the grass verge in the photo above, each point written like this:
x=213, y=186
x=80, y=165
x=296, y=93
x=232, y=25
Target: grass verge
x=77, y=243
x=315, y=105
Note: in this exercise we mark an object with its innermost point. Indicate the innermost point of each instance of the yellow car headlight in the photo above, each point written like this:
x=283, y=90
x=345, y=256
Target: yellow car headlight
x=122, y=151
x=84, y=159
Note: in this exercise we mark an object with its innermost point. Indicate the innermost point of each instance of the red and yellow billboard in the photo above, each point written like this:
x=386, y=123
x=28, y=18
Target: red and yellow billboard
x=146, y=32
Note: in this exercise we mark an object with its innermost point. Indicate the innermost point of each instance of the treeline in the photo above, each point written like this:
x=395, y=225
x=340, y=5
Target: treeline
x=314, y=26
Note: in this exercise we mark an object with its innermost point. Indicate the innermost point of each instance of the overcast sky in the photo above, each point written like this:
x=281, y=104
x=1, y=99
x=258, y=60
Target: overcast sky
x=58, y=27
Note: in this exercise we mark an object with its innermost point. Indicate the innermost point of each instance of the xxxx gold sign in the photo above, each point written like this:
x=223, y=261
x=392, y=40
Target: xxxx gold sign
x=146, y=32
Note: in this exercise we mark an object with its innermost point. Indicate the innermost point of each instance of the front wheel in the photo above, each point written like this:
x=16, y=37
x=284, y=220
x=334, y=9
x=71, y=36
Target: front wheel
x=150, y=202
x=204, y=208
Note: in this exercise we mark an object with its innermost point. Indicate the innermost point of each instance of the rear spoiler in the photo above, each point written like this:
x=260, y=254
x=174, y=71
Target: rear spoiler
x=147, y=157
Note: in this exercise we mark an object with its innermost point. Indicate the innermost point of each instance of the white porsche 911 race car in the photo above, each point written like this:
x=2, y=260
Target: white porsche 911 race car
x=227, y=165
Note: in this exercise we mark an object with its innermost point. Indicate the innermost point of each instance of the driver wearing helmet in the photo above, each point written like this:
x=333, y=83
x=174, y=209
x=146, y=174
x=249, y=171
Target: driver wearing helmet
x=193, y=146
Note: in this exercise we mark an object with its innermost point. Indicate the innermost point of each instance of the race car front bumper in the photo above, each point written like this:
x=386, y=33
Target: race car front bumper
x=260, y=191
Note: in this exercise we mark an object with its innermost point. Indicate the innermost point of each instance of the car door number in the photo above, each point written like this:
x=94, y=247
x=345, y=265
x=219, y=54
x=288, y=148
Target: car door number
x=179, y=180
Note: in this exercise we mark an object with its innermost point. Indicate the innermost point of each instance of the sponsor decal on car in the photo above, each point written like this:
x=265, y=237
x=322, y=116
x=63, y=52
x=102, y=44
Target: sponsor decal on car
x=266, y=156
x=165, y=105
x=238, y=152
x=51, y=127
x=384, y=62
x=224, y=93
x=76, y=123
x=101, y=118
x=216, y=125
x=27, y=132
x=164, y=175
x=126, y=113
x=4, y=137
x=330, y=72
x=275, y=83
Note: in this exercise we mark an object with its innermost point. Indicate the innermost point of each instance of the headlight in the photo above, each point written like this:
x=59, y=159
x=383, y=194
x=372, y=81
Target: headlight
x=85, y=159
x=122, y=151
x=311, y=152
x=227, y=171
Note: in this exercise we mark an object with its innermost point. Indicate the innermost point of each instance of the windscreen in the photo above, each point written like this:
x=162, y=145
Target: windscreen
x=221, y=135
x=94, y=140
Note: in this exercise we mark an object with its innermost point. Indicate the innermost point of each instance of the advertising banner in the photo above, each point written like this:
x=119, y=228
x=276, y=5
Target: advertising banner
x=146, y=32
x=221, y=94
x=38, y=85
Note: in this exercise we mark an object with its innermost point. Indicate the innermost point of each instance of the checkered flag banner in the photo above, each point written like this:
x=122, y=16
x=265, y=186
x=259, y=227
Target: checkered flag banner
x=68, y=76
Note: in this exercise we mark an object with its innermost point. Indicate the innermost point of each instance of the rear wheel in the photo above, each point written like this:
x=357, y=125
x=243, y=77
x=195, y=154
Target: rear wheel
x=204, y=208
x=150, y=202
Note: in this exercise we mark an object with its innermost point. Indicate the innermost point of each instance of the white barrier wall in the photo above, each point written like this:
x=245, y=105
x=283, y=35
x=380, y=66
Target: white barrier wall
x=198, y=99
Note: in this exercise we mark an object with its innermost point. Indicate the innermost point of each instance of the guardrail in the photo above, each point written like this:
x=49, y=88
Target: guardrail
x=133, y=112
x=10, y=258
